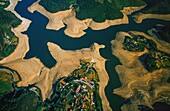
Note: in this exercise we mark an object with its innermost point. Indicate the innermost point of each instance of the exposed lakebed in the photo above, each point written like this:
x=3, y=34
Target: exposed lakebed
x=39, y=36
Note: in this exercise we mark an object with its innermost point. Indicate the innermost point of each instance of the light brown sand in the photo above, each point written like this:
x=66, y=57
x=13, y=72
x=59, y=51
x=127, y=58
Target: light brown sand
x=140, y=17
x=22, y=46
x=29, y=70
x=68, y=61
x=134, y=77
x=75, y=28
x=32, y=71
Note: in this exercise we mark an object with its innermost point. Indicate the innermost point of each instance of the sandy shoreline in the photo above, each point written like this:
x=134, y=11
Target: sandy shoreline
x=32, y=71
x=26, y=68
x=75, y=28
x=134, y=77
x=22, y=47
x=68, y=61
x=139, y=17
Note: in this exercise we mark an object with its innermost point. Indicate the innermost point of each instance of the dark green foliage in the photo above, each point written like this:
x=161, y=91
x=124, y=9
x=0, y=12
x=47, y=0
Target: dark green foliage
x=157, y=106
x=14, y=98
x=4, y=4
x=98, y=100
x=168, y=80
x=56, y=5
x=69, y=94
x=99, y=11
x=8, y=40
x=8, y=19
x=20, y=100
x=111, y=10
x=150, y=63
x=90, y=9
x=133, y=45
x=155, y=59
x=164, y=33
x=119, y=4
x=6, y=81
x=157, y=7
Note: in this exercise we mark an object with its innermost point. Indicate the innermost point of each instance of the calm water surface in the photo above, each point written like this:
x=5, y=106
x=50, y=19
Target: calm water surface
x=39, y=36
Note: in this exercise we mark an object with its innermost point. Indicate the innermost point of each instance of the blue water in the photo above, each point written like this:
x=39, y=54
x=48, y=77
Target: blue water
x=39, y=36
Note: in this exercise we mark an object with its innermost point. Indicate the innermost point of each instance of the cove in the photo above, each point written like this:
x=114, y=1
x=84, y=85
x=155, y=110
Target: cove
x=39, y=36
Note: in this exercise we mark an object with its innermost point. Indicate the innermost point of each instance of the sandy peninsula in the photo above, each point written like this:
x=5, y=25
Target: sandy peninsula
x=29, y=70
x=75, y=28
x=26, y=68
x=32, y=71
x=136, y=80
x=68, y=61
x=22, y=47
x=139, y=17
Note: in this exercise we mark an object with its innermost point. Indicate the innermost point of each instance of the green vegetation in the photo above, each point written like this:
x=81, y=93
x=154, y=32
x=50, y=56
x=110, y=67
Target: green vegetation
x=164, y=33
x=155, y=59
x=56, y=5
x=98, y=10
x=144, y=108
x=6, y=81
x=168, y=80
x=8, y=40
x=78, y=91
x=17, y=98
x=21, y=99
x=157, y=106
x=157, y=7
x=4, y=3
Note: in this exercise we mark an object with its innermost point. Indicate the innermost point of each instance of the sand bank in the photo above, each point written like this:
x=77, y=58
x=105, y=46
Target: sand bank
x=22, y=47
x=135, y=78
x=30, y=69
x=139, y=17
x=75, y=28
x=25, y=68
